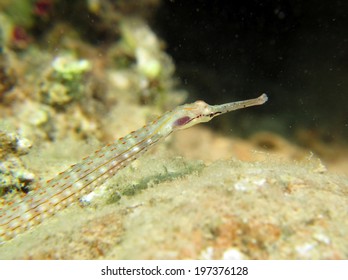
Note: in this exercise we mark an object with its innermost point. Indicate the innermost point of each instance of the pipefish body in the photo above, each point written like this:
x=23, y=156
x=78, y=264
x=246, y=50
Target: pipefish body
x=81, y=178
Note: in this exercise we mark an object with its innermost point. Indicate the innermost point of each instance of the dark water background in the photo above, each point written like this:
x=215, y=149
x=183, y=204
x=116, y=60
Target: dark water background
x=295, y=51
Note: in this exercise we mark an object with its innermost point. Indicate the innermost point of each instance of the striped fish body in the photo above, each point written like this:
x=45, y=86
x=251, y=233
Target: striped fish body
x=78, y=180
x=83, y=177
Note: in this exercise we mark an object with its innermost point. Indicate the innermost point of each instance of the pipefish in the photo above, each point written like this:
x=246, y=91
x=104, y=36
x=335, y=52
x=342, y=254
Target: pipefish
x=81, y=178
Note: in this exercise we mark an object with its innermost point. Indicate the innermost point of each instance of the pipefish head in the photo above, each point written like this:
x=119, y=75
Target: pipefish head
x=190, y=114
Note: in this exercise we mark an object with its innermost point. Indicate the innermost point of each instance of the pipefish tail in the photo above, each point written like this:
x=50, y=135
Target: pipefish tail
x=81, y=178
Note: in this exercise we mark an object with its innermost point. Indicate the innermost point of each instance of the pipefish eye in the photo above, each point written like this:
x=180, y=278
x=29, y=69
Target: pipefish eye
x=182, y=121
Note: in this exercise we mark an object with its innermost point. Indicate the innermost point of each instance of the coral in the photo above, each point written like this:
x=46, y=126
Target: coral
x=143, y=44
x=147, y=65
x=66, y=67
x=13, y=174
x=63, y=86
x=63, y=82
